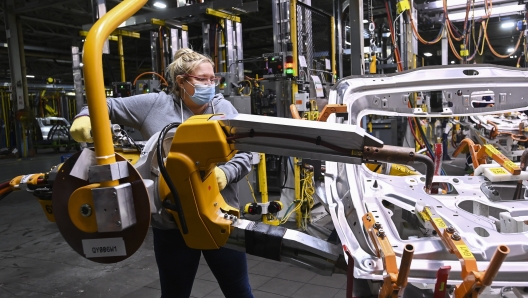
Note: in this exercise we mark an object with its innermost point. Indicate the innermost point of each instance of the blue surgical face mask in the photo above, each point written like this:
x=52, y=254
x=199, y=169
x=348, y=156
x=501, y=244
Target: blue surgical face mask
x=203, y=94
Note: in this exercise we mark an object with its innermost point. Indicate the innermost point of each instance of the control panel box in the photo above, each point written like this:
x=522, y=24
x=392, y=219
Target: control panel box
x=147, y=86
x=121, y=89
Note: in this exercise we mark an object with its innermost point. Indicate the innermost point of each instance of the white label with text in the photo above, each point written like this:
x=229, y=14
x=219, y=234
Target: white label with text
x=105, y=247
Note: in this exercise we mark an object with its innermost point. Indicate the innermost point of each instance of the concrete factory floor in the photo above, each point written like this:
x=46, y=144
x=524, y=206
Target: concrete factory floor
x=36, y=261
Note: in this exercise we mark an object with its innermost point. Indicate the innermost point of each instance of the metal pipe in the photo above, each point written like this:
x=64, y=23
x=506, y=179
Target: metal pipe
x=401, y=155
x=121, y=57
x=405, y=266
x=93, y=74
x=333, y=47
x=494, y=265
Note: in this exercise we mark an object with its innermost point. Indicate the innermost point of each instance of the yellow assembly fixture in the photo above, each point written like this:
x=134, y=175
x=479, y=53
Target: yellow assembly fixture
x=192, y=164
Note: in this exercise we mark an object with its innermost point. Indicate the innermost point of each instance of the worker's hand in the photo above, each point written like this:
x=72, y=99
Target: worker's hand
x=221, y=178
x=81, y=130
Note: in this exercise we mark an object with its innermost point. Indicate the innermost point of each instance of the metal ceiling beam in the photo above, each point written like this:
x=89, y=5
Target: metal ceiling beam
x=144, y=7
x=436, y=6
x=258, y=28
x=191, y=12
x=73, y=10
x=41, y=5
x=52, y=34
x=26, y=18
x=38, y=48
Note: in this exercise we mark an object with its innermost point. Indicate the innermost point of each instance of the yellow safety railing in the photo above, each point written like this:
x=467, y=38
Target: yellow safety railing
x=93, y=74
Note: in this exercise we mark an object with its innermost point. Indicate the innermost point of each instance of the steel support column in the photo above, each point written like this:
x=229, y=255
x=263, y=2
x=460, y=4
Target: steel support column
x=239, y=50
x=17, y=65
x=357, y=43
x=206, y=35
x=154, y=51
x=445, y=50
x=175, y=41
x=339, y=37
x=77, y=79
x=184, y=38
x=99, y=10
x=230, y=54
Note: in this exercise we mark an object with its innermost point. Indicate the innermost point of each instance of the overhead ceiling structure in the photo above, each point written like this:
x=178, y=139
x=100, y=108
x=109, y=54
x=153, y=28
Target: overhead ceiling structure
x=51, y=27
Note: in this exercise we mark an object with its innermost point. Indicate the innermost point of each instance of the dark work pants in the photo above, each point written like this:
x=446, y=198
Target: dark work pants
x=177, y=265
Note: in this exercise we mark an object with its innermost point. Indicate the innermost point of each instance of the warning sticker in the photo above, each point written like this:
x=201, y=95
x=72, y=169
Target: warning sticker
x=498, y=171
x=464, y=251
x=490, y=150
x=439, y=222
x=510, y=164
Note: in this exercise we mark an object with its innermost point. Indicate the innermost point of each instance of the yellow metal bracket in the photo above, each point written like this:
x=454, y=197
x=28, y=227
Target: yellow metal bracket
x=473, y=280
x=160, y=22
x=395, y=280
x=221, y=14
x=115, y=35
x=192, y=170
x=478, y=155
x=402, y=6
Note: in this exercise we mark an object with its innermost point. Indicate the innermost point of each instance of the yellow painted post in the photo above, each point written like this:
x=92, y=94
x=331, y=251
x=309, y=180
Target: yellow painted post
x=263, y=181
x=333, y=48
x=93, y=74
x=121, y=57
x=297, y=198
x=293, y=37
x=224, y=51
x=263, y=189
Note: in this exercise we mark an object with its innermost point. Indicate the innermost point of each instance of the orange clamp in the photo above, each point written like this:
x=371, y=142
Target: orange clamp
x=395, y=280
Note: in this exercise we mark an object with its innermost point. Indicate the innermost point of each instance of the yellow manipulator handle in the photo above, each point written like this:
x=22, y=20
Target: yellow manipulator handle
x=93, y=74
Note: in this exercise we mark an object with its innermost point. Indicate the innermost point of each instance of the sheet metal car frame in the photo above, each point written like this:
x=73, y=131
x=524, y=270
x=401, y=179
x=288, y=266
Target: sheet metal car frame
x=351, y=191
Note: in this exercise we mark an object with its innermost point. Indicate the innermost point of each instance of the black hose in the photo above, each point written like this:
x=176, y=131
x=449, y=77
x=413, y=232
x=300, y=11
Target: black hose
x=177, y=203
x=285, y=168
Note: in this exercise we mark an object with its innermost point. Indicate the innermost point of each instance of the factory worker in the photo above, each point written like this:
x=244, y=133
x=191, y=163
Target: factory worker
x=192, y=93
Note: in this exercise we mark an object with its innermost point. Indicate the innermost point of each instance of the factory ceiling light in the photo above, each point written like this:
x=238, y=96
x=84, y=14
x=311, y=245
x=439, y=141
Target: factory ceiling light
x=496, y=11
x=160, y=5
x=507, y=24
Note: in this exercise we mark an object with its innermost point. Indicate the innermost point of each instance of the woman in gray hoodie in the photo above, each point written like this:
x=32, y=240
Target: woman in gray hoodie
x=193, y=93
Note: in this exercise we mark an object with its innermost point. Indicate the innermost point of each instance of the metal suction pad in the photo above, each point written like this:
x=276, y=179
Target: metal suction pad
x=101, y=247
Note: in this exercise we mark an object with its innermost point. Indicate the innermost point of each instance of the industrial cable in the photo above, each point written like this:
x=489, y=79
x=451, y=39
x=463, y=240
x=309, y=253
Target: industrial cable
x=139, y=148
x=450, y=25
x=307, y=201
x=251, y=189
x=419, y=37
x=392, y=33
x=477, y=44
x=177, y=204
x=285, y=169
x=150, y=72
x=432, y=154
x=493, y=50
x=452, y=46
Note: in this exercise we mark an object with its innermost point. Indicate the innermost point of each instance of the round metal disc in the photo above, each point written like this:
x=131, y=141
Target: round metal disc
x=132, y=236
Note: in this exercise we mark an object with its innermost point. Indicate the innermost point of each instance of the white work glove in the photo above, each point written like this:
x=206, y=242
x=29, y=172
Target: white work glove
x=221, y=178
x=81, y=130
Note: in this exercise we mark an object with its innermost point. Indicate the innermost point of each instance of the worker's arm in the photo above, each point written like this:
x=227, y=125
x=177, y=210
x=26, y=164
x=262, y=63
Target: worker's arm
x=130, y=111
x=238, y=167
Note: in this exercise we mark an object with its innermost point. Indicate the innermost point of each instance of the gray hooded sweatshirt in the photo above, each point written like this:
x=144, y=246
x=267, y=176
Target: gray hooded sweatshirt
x=150, y=112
